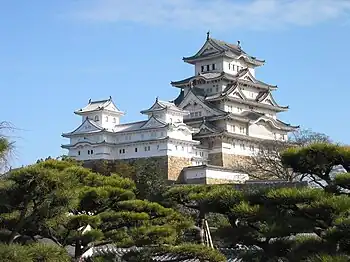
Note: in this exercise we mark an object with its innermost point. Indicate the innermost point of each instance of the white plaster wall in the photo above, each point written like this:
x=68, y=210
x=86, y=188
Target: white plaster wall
x=234, y=107
x=219, y=174
x=182, y=135
x=261, y=131
x=155, y=149
x=252, y=71
x=196, y=108
x=105, y=119
x=216, y=174
x=249, y=92
x=180, y=149
x=239, y=147
x=228, y=64
x=99, y=152
x=218, y=64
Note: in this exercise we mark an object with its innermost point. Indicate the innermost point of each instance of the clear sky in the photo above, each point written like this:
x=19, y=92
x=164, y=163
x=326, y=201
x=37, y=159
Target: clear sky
x=55, y=55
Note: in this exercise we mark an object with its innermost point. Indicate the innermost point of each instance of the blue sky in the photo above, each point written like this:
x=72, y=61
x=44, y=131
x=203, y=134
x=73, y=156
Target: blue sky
x=55, y=55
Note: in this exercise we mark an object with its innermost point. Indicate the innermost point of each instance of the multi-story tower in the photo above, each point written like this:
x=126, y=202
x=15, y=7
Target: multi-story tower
x=232, y=109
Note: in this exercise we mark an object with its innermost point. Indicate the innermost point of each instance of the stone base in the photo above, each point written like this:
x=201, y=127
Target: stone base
x=169, y=166
x=215, y=159
x=226, y=160
x=230, y=161
x=175, y=166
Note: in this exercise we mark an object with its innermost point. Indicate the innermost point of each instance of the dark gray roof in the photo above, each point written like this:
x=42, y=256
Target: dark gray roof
x=223, y=48
x=231, y=254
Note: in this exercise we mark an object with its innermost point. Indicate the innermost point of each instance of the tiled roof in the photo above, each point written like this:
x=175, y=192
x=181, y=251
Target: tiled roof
x=205, y=76
x=96, y=105
x=129, y=126
x=231, y=254
x=225, y=48
x=226, y=76
x=161, y=105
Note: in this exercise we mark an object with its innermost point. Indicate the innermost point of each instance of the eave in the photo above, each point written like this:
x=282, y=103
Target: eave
x=116, y=144
x=99, y=129
x=223, y=76
x=187, y=81
x=251, y=103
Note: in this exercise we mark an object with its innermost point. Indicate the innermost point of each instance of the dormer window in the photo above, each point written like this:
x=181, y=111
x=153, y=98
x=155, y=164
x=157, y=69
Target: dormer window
x=97, y=118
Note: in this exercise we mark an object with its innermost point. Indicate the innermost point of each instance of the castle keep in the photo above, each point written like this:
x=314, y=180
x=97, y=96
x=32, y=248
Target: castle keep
x=221, y=114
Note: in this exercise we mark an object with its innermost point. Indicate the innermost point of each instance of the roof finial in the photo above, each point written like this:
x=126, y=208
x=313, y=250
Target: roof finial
x=239, y=44
x=208, y=35
x=110, y=97
x=157, y=99
x=89, y=100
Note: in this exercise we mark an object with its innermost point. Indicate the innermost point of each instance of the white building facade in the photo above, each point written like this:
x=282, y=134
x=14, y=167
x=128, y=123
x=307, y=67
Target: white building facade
x=221, y=113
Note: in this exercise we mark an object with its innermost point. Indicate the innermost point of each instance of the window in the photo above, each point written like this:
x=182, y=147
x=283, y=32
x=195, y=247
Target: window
x=233, y=145
x=213, y=67
x=175, y=147
x=91, y=151
x=147, y=148
x=251, y=147
x=229, y=66
x=202, y=68
x=232, y=128
x=79, y=153
x=239, y=109
x=243, y=146
x=122, y=151
x=114, y=120
x=157, y=147
x=208, y=67
x=217, y=89
x=242, y=130
x=106, y=118
x=88, y=152
x=97, y=118
x=135, y=149
x=201, y=153
x=182, y=148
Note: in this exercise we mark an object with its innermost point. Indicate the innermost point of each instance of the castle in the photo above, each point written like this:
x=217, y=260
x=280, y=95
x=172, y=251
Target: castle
x=221, y=114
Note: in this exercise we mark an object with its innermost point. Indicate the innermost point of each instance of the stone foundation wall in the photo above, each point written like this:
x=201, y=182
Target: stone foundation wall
x=128, y=167
x=168, y=166
x=215, y=181
x=215, y=159
x=230, y=161
x=175, y=166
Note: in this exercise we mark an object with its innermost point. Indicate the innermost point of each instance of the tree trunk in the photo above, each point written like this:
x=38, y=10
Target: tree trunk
x=78, y=250
x=20, y=223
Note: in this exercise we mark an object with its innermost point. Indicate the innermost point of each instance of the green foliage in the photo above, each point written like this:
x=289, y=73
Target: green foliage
x=63, y=201
x=33, y=253
x=327, y=258
x=317, y=160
